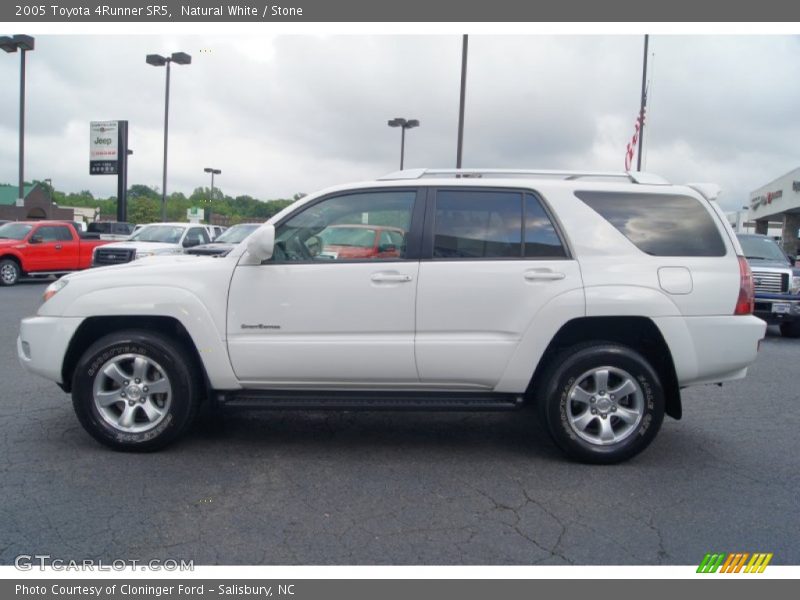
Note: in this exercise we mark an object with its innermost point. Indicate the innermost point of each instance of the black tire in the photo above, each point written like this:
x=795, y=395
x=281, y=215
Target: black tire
x=10, y=272
x=164, y=357
x=790, y=329
x=578, y=367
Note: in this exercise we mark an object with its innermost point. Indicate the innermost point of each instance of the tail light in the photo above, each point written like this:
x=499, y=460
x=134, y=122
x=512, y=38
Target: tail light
x=744, y=304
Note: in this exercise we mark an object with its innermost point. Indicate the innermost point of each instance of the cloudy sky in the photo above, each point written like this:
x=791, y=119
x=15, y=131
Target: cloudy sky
x=295, y=113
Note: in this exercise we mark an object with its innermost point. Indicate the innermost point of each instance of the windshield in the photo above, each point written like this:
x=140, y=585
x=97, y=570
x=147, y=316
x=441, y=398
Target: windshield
x=237, y=233
x=14, y=231
x=761, y=248
x=167, y=234
x=348, y=236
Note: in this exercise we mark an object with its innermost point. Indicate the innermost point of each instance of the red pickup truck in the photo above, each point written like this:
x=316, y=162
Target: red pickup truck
x=42, y=248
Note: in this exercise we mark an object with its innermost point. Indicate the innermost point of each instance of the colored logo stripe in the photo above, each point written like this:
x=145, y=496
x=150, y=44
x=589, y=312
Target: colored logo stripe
x=734, y=562
x=710, y=563
x=758, y=563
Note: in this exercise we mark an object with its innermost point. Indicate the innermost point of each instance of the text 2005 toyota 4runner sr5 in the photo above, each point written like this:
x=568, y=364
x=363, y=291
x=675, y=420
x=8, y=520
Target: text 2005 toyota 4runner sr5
x=596, y=296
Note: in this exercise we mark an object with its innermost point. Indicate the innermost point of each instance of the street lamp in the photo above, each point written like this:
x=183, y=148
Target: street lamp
x=213, y=172
x=157, y=60
x=23, y=43
x=403, y=124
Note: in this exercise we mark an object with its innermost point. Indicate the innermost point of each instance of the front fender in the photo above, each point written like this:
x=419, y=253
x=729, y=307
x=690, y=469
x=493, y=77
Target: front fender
x=18, y=256
x=165, y=301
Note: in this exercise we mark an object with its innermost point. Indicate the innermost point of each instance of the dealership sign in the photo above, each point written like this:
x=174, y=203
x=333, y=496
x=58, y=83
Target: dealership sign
x=765, y=199
x=104, y=148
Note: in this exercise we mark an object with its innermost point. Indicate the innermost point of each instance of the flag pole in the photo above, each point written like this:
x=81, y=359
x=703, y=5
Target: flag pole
x=642, y=105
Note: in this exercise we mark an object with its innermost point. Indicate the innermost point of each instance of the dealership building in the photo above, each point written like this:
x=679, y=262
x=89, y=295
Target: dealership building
x=779, y=201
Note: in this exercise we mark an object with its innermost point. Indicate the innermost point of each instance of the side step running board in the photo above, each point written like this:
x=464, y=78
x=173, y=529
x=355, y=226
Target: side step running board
x=297, y=400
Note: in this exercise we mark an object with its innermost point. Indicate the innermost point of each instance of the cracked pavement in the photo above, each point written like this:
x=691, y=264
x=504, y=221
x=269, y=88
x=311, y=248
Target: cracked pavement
x=401, y=488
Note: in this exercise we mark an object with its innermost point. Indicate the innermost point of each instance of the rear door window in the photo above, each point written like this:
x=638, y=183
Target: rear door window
x=659, y=224
x=477, y=224
x=493, y=224
x=54, y=233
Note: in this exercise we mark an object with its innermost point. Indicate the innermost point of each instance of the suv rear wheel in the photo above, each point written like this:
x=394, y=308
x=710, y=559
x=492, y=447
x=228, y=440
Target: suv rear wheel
x=601, y=402
x=132, y=391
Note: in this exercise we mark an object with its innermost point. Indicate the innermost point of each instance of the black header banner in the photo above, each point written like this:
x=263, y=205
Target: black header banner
x=311, y=11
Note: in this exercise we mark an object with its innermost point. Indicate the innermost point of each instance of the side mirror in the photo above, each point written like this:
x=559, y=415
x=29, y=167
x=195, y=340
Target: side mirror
x=191, y=242
x=261, y=242
x=35, y=239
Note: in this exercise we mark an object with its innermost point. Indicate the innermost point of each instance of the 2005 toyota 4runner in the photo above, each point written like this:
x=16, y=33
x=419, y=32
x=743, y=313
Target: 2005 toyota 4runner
x=596, y=296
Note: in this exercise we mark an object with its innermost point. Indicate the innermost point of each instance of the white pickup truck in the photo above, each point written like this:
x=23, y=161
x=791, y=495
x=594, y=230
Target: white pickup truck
x=596, y=296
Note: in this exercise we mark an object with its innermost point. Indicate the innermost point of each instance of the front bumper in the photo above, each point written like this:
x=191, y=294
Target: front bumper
x=42, y=344
x=777, y=308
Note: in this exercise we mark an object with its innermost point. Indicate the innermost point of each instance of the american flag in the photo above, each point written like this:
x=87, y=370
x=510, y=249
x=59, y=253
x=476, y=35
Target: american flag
x=634, y=140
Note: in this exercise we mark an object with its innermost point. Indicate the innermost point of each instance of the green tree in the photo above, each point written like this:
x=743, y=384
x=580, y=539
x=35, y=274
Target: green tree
x=144, y=210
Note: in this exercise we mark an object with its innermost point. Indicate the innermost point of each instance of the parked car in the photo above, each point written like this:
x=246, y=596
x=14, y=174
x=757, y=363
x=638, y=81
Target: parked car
x=226, y=241
x=111, y=230
x=776, y=281
x=355, y=240
x=42, y=248
x=595, y=296
x=156, y=239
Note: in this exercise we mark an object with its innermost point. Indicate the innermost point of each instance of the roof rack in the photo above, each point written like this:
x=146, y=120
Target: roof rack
x=632, y=176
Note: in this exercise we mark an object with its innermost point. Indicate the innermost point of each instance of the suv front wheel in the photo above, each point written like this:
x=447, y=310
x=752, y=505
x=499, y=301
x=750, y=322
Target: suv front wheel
x=601, y=402
x=132, y=391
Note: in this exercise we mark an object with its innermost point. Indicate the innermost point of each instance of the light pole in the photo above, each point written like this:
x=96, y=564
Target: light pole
x=462, y=99
x=157, y=60
x=403, y=124
x=210, y=200
x=23, y=43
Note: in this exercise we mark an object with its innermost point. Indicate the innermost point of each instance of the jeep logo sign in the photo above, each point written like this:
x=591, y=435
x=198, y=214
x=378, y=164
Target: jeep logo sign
x=103, y=148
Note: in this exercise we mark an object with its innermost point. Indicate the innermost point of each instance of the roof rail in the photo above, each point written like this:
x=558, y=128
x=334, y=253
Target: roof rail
x=632, y=176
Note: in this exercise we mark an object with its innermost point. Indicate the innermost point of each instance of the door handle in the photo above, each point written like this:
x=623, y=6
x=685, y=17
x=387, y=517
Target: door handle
x=390, y=278
x=543, y=275
x=59, y=246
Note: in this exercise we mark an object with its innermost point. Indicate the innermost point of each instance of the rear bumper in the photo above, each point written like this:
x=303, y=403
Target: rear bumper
x=712, y=349
x=43, y=342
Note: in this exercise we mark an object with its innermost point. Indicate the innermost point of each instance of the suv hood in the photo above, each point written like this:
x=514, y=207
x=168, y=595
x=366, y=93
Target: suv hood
x=146, y=246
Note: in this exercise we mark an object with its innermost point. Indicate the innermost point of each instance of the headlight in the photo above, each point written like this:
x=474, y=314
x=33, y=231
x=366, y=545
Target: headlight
x=54, y=288
x=144, y=253
x=795, y=288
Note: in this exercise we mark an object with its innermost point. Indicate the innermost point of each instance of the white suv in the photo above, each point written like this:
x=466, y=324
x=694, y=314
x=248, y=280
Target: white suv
x=596, y=296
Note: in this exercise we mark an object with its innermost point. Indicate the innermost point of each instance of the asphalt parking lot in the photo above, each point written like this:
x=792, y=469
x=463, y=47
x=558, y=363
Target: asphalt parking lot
x=407, y=488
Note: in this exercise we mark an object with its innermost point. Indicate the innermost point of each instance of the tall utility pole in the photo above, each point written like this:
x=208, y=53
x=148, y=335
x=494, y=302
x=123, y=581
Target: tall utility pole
x=23, y=43
x=464, y=47
x=157, y=60
x=642, y=105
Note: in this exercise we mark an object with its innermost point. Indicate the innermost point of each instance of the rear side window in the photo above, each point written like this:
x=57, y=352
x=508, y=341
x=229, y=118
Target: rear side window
x=659, y=224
